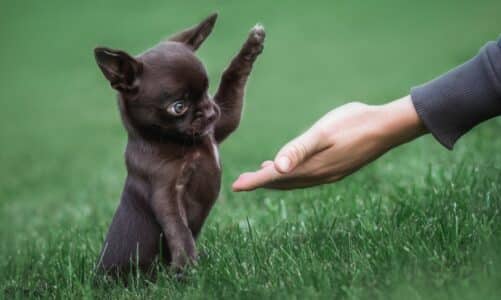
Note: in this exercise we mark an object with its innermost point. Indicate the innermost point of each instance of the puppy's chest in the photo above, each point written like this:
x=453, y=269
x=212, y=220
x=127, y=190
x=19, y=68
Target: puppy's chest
x=202, y=175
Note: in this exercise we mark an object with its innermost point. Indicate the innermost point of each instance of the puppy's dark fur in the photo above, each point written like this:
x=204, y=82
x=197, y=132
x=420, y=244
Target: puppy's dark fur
x=174, y=128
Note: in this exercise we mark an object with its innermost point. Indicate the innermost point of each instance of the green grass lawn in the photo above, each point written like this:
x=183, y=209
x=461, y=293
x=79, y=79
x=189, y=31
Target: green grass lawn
x=420, y=223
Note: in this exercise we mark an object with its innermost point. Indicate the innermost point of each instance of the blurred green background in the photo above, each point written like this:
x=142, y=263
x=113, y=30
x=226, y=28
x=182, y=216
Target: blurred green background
x=421, y=222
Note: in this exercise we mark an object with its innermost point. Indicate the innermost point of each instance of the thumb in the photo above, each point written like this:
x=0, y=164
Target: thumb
x=296, y=151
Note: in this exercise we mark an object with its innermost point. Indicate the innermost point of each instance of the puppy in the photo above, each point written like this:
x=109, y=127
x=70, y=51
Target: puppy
x=174, y=128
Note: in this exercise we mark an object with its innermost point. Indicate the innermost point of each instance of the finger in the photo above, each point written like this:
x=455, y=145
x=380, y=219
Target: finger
x=296, y=151
x=252, y=180
x=291, y=183
x=266, y=163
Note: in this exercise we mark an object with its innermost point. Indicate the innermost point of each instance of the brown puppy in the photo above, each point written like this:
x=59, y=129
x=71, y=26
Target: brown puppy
x=174, y=128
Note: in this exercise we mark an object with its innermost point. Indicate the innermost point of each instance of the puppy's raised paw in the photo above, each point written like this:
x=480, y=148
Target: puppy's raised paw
x=258, y=33
x=255, y=42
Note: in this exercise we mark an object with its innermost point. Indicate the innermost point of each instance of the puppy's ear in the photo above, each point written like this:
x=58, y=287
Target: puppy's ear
x=119, y=68
x=193, y=37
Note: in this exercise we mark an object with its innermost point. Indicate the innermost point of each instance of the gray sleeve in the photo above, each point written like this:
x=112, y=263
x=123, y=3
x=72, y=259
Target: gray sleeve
x=455, y=102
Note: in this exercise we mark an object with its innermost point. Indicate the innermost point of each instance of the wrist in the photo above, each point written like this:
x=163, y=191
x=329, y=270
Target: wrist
x=400, y=122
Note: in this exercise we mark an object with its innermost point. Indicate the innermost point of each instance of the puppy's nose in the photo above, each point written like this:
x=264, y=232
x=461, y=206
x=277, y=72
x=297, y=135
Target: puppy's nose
x=211, y=116
x=208, y=110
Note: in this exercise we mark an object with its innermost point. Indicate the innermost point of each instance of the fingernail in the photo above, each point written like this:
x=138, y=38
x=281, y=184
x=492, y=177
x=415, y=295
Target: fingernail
x=284, y=163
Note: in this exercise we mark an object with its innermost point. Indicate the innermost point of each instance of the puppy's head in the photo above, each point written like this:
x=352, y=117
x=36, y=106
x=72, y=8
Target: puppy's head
x=164, y=89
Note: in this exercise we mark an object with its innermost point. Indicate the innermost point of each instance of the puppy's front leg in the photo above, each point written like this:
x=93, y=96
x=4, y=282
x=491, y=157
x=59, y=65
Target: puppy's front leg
x=231, y=90
x=170, y=213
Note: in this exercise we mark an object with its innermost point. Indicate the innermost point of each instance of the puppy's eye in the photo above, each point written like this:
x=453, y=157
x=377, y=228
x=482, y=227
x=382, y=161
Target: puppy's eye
x=177, y=108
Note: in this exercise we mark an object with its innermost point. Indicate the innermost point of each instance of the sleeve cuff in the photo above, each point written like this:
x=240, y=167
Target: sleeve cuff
x=457, y=101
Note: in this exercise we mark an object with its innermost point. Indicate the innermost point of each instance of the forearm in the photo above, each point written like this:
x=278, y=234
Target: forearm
x=171, y=216
x=230, y=94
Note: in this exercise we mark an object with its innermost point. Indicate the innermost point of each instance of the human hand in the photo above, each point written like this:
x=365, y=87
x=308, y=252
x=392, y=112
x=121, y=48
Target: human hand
x=341, y=142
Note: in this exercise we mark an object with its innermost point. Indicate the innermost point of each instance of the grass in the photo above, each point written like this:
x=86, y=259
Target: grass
x=420, y=223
